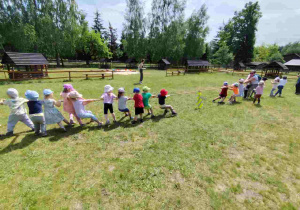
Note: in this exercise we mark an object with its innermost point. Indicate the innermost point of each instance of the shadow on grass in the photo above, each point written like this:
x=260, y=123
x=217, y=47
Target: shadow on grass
x=25, y=142
x=57, y=134
x=257, y=105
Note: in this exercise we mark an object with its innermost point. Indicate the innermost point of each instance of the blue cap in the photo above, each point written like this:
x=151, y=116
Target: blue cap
x=31, y=95
x=225, y=83
x=136, y=90
x=47, y=92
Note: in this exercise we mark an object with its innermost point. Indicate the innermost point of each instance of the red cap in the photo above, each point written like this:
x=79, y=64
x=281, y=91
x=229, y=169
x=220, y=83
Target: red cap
x=163, y=92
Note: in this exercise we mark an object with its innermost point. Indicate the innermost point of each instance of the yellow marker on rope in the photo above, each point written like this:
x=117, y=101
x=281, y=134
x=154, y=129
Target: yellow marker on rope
x=200, y=100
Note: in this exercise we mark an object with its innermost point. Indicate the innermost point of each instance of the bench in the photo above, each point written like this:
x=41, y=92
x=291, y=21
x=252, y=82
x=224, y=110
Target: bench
x=175, y=72
x=101, y=74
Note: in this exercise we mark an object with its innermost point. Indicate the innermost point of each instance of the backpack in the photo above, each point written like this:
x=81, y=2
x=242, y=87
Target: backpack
x=259, y=77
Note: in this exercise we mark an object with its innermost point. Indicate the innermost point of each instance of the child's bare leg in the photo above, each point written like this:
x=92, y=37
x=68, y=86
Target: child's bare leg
x=135, y=117
x=62, y=126
x=66, y=121
x=114, y=116
x=106, y=117
x=79, y=120
x=141, y=116
x=222, y=99
x=129, y=114
x=72, y=118
x=217, y=98
x=151, y=111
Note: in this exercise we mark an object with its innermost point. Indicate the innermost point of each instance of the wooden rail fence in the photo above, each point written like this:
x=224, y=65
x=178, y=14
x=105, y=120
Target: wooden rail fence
x=20, y=75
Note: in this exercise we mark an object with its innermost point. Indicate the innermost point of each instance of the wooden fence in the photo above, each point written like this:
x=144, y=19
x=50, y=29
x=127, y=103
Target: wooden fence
x=21, y=76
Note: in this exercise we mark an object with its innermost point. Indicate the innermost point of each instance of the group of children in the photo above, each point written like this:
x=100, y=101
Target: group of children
x=44, y=112
x=243, y=89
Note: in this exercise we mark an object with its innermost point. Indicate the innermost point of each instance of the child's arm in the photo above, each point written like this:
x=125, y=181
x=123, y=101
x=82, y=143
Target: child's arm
x=2, y=101
x=57, y=103
x=87, y=101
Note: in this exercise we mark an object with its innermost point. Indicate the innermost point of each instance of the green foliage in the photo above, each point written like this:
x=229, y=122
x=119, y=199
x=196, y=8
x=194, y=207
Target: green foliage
x=134, y=30
x=91, y=46
x=276, y=57
x=291, y=48
x=223, y=56
x=268, y=53
x=98, y=24
x=112, y=41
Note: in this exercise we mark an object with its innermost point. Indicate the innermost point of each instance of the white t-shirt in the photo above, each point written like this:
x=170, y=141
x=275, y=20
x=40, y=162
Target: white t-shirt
x=282, y=82
x=16, y=106
x=255, y=82
x=122, y=102
x=275, y=84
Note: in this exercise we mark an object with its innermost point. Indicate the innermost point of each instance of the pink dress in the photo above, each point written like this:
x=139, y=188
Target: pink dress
x=68, y=105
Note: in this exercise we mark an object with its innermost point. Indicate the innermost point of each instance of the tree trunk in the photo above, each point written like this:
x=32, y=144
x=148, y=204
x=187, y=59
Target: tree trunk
x=57, y=59
x=62, y=62
x=87, y=61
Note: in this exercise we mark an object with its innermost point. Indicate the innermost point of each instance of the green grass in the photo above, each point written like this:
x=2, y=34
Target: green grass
x=220, y=157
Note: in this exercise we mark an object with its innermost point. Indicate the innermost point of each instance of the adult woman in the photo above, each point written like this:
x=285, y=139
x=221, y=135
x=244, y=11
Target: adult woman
x=141, y=67
x=253, y=83
x=298, y=86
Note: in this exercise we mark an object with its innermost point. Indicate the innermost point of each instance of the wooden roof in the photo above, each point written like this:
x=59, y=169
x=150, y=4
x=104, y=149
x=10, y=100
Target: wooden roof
x=24, y=59
x=165, y=61
x=242, y=65
x=255, y=63
x=276, y=65
x=294, y=62
x=197, y=63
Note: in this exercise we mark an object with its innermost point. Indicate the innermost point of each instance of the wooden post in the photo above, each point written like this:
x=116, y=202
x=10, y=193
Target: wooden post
x=166, y=72
x=103, y=76
x=112, y=74
x=13, y=72
x=86, y=77
x=69, y=76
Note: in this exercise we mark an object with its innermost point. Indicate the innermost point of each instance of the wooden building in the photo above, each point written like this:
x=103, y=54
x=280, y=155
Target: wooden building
x=163, y=64
x=18, y=64
x=293, y=65
x=240, y=66
x=197, y=66
x=256, y=65
x=274, y=69
x=131, y=63
x=292, y=56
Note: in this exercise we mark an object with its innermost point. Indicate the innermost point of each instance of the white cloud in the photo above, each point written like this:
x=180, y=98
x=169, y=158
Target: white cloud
x=279, y=23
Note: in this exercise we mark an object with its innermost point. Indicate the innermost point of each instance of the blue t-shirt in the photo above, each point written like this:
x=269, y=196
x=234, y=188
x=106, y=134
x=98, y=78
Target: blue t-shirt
x=161, y=99
x=35, y=107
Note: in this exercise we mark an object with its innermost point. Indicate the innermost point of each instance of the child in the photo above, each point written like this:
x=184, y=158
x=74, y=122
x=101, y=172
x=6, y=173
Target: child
x=146, y=96
x=17, y=111
x=68, y=105
x=275, y=84
x=138, y=105
x=282, y=83
x=241, y=88
x=122, y=103
x=52, y=115
x=79, y=104
x=235, y=89
x=36, y=112
x=161, y=100
x=108, y=99
x=258, y=92
x=223, y=93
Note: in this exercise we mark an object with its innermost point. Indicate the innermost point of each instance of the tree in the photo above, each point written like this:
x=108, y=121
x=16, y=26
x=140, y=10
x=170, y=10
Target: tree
x=91, y=46
x=223, y=56
x=197, y=31
x=134, y=30
x=268, y=53
x=112, y=41
x=167, y=30
x=291, y=48
x=98, y=24
x=276, y=57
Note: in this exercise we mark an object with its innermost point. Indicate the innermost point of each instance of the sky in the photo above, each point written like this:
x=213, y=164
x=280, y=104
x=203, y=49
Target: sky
x=279, y=23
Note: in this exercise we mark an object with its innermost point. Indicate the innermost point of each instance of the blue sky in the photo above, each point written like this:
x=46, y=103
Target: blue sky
x=279, y=24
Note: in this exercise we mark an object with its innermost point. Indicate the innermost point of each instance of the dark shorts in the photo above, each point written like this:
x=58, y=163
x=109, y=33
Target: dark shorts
x=108, y=107
x=223, y=96
x=124, y=110
x=257, y=96
x=139, y=110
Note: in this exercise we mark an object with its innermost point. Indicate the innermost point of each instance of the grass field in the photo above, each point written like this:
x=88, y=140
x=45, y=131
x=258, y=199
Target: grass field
x=238, y=156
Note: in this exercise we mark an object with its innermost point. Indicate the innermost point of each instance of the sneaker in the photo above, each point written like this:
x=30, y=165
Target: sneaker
x=141, y=120
x=32, y=129
x=107, y=122
x=174, y=113
x=44, y=134
x=152, y=116
x=165, y=112
x=133, y=122
x=37, y=133
x=99, y=125
x=72, y=122
x=213, y=101
x=9, y=133
x=140, y=83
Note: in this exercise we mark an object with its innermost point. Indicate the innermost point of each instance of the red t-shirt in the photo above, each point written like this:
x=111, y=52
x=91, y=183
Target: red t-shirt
x=138, y=101
x=224, y=91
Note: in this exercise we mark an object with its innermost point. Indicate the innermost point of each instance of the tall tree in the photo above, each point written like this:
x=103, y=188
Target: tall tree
x=197, y=31
x=98, y=24
x=291, y=48
x=112, y=41
x=223, y=56
x=167, y=30
x=134, y=30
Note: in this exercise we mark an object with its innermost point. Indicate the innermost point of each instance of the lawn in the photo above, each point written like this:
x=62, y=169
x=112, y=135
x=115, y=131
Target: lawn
x=238, y=156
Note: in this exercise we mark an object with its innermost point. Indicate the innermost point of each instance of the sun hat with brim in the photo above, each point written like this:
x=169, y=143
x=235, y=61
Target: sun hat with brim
x=163, y=92
x=47, y=92
x=121, y=90
x=136, y=90
x=74, y=94
x=68, y=86
x=145, y=88
x=31, y=95
x=108, y=88
x=12, y=92
x=236, y=84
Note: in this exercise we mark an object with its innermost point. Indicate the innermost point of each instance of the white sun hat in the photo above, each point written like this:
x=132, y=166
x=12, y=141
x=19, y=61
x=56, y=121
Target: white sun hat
x=12, y=93
x=108, y=88
x=121, y=90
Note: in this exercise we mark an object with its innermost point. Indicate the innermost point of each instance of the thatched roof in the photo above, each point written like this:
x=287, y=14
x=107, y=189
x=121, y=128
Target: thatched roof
x=165, y=61
x=276, y=65
x=197, y=63
x=294, y=62
x=24, y=59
